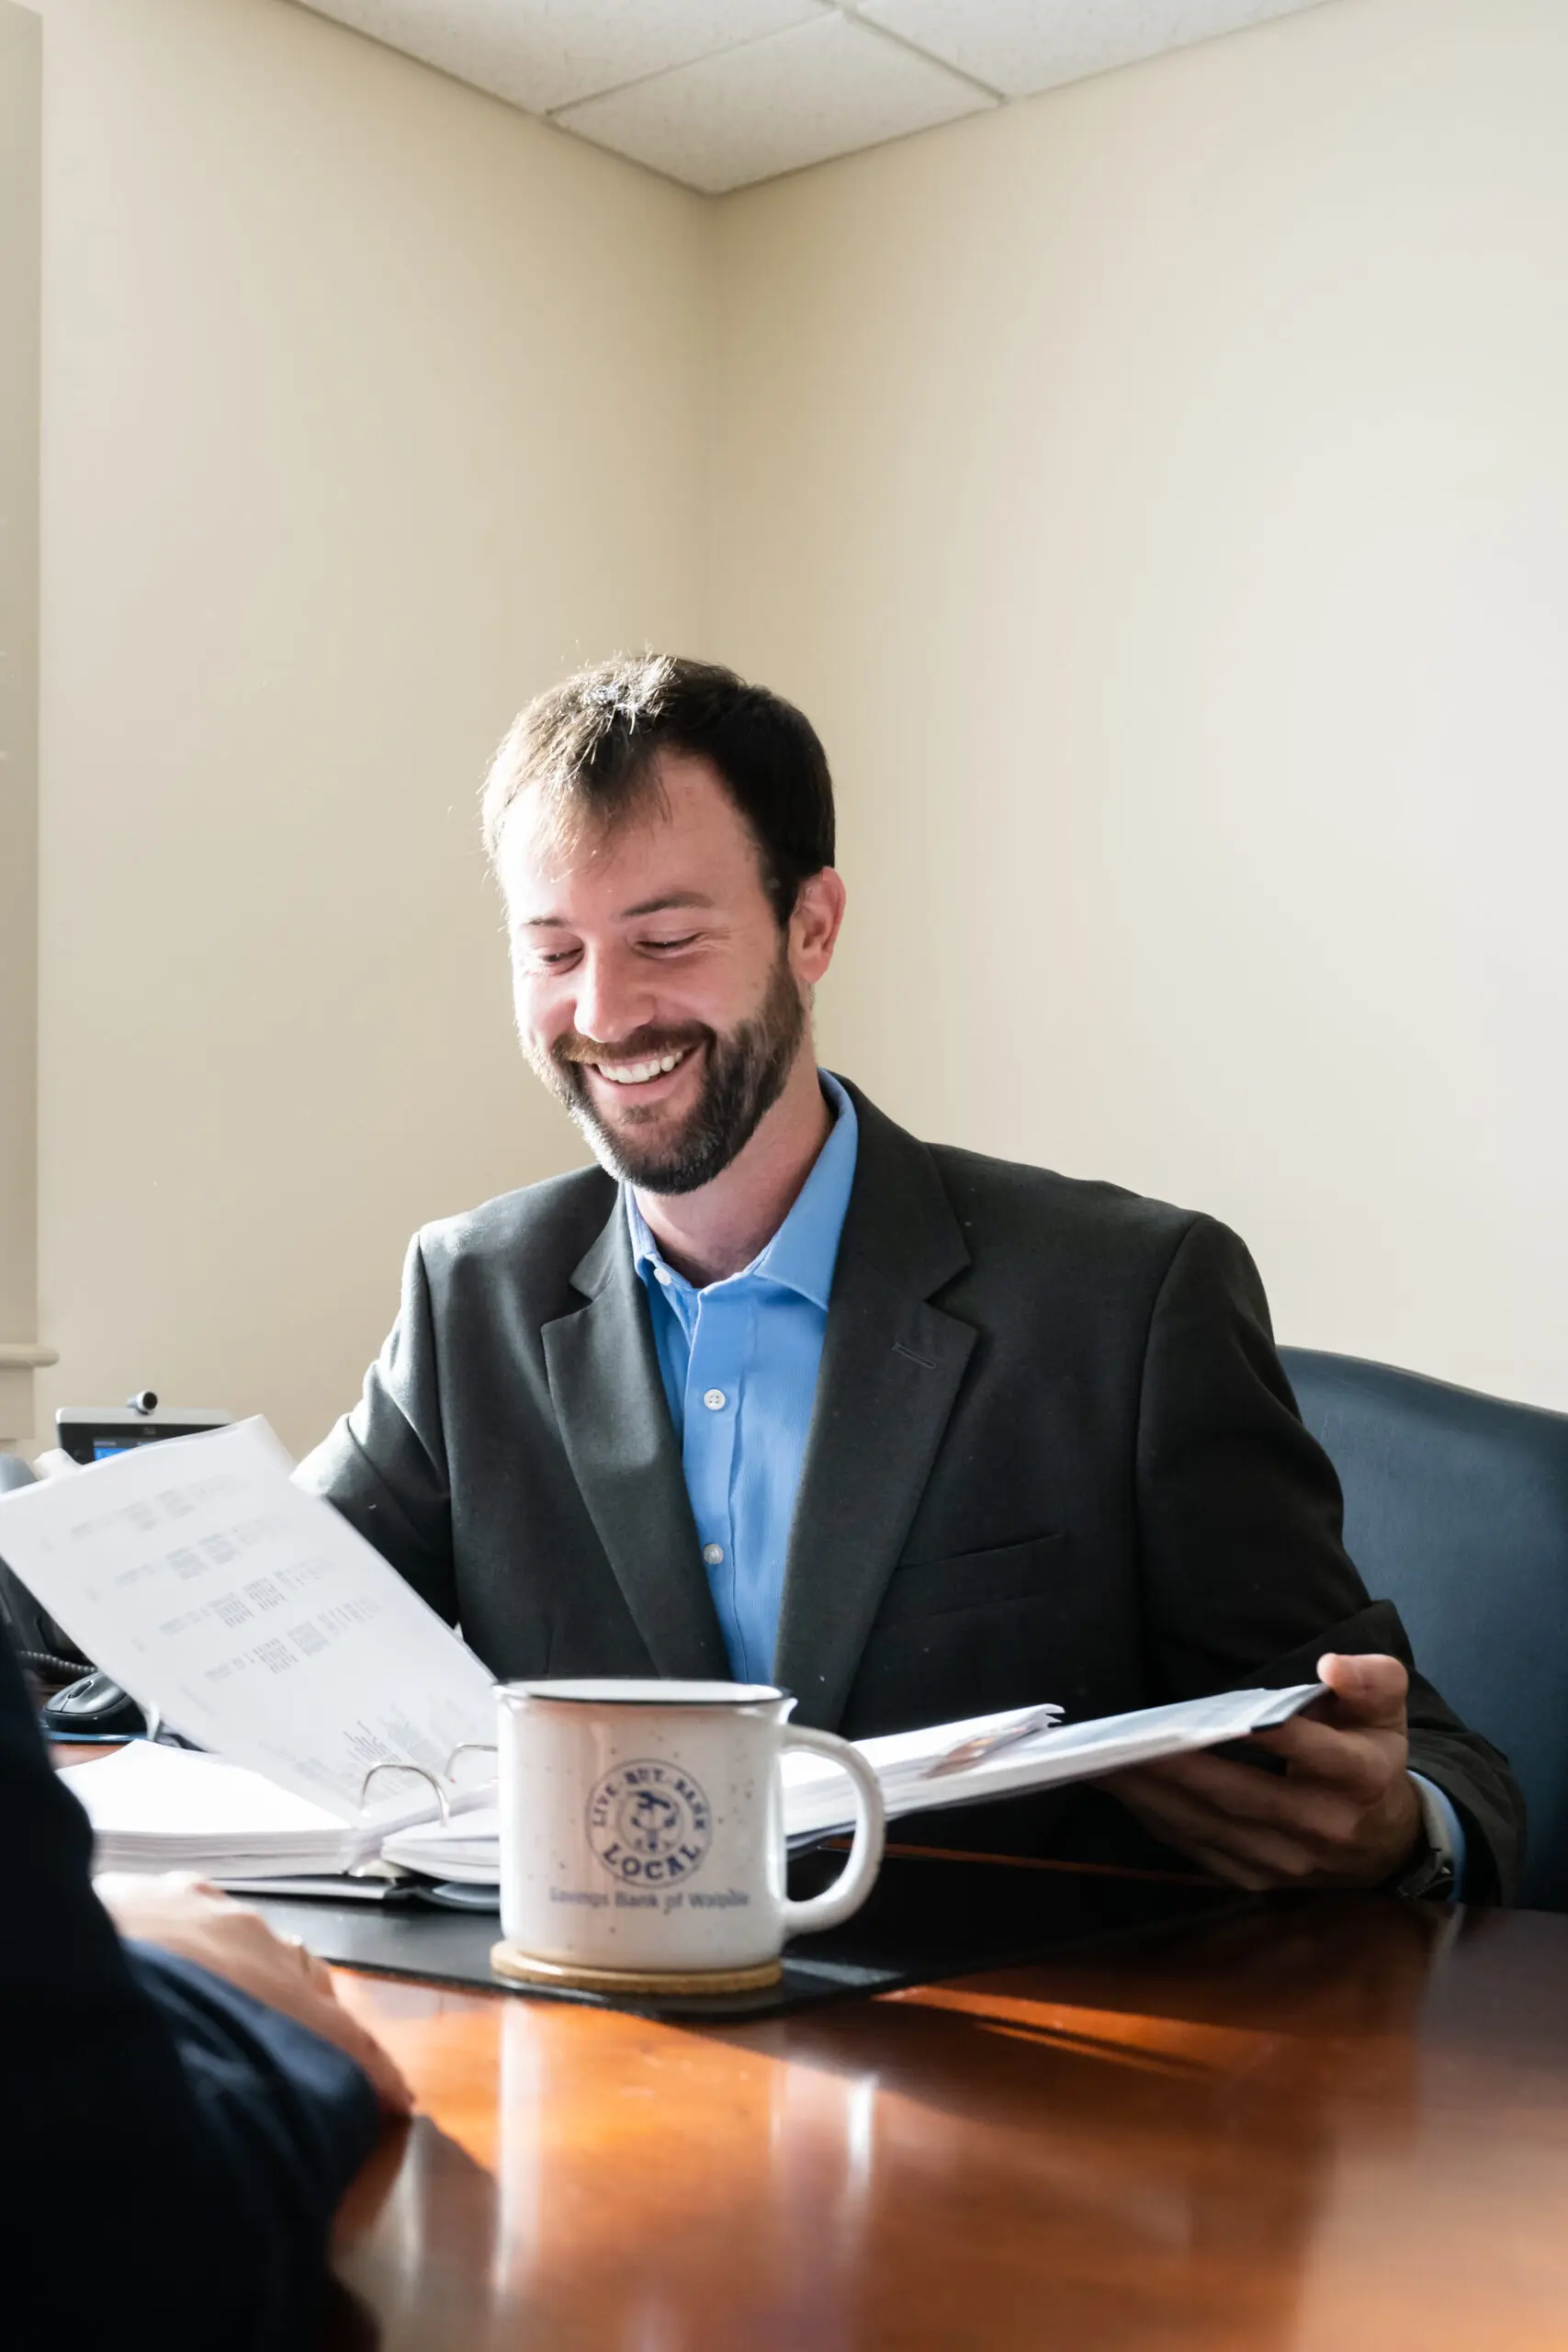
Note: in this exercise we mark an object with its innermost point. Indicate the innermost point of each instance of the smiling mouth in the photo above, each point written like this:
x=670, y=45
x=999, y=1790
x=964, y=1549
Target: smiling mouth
x=639, y=1073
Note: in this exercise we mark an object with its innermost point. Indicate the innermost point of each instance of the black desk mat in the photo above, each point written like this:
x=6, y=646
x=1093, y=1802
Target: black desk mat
x=929, y=1915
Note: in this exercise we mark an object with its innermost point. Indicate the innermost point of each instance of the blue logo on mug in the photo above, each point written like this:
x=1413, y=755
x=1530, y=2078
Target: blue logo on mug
x=649, y=1824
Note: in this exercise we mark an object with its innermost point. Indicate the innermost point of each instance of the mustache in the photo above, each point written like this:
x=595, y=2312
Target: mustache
x=642, y=1045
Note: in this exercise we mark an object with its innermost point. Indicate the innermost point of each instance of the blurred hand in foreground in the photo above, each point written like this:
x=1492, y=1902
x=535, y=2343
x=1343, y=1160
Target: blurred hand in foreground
x=193, y=1921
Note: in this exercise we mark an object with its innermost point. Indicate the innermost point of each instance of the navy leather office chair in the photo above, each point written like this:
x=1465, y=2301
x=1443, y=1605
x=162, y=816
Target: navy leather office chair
x=1456, y=1510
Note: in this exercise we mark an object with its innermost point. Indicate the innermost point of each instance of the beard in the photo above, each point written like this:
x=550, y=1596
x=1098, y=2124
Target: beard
x=744, y=1076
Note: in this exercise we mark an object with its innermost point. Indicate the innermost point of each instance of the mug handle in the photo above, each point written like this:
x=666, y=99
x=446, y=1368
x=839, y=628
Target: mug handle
x=858, y=1876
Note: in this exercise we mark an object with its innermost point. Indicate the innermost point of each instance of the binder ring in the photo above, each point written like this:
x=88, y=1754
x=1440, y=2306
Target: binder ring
x=470, y=1748
x=440, y=1791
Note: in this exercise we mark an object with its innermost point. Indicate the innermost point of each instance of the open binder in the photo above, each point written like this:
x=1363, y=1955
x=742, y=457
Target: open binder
x=330, y=1700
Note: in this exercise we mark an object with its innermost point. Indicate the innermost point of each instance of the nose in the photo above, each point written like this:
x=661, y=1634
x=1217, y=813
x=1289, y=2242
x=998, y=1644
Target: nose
x=612, y=996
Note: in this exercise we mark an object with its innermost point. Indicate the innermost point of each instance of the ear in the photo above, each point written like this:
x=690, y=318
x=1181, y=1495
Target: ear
x=814, y=925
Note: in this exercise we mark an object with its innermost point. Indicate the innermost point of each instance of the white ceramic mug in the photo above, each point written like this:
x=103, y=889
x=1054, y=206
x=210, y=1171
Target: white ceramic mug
x=642, y=1833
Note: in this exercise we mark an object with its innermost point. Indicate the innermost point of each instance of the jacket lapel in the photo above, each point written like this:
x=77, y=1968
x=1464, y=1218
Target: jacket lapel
x=891, y=1367
x=615, y=1423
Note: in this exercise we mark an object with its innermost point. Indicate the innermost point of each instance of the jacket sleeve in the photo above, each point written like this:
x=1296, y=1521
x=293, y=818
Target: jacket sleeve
x=170, y=2147
x=1246, y=1574
x=384, y=1465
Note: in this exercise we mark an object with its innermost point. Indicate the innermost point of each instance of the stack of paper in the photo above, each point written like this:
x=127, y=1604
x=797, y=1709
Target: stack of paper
x=169, y=1809
x=466, y=1851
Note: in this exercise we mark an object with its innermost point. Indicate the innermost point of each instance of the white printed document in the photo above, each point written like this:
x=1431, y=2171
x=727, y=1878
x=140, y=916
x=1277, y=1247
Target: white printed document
x=252, y=1616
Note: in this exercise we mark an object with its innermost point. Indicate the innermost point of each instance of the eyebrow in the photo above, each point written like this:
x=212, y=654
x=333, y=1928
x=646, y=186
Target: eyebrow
x=670, y=900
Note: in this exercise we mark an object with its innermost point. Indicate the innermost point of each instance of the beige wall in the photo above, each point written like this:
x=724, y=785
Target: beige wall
x=369, y=405
x=1158, y=492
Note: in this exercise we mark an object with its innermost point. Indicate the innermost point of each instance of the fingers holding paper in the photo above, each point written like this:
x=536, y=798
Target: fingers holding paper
x=1342, y=1813
x=193, y=1921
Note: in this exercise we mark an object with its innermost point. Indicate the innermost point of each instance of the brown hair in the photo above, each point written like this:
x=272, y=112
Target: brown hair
x=590, y=745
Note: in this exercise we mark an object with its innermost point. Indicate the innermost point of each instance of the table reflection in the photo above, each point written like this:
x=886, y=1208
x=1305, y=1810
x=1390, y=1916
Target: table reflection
x=1147, y=2137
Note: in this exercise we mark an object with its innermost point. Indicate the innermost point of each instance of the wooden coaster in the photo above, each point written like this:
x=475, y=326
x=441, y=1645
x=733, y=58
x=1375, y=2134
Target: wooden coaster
x=523, y=1969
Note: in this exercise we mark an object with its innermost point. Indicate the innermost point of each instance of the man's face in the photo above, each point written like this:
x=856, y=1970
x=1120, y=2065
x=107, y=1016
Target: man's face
x=655, y=992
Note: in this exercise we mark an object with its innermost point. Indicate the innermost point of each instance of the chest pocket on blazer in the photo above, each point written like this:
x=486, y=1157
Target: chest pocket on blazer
x=965, y=1636
x=973, y=1580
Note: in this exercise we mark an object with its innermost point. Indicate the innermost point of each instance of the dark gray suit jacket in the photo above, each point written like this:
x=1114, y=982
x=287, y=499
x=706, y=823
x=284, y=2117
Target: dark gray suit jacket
x=1053, y=1455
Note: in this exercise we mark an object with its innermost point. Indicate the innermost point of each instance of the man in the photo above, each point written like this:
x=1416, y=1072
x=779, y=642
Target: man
x=182, y=2113
x=778, y=1392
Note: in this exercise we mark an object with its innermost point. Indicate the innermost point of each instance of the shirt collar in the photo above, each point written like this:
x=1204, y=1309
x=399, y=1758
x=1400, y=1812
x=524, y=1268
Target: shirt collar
x=803, y=1253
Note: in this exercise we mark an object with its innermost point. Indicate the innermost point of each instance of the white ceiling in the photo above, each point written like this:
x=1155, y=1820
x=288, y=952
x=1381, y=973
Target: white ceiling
x=720, y=93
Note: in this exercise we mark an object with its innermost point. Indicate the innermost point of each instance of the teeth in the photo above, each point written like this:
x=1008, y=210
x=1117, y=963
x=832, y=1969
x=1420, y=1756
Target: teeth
x=638, y=1073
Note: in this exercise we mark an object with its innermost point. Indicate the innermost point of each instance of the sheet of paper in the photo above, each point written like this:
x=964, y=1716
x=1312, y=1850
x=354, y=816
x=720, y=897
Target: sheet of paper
x=255, y=1617
x=815, y=1791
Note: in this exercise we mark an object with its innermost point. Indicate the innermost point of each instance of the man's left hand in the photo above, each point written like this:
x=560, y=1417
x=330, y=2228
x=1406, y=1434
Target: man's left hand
x=1343, y=1813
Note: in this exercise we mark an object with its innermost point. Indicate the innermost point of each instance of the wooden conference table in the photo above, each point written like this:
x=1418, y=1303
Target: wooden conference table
x=1322, y=2122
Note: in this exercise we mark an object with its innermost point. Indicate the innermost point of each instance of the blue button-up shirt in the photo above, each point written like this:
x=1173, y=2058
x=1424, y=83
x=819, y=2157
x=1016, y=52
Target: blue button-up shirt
x=739, y=1360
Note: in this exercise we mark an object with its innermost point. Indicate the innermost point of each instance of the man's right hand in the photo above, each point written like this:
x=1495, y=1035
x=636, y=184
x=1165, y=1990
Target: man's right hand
x=195, y=1921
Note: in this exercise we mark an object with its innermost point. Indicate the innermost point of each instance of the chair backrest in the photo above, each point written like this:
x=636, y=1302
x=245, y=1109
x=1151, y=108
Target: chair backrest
x=1456, y=1510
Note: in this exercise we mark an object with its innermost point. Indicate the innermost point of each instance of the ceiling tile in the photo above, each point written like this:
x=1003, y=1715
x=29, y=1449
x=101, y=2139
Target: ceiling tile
x=545, y=53
x=775, y=106
x=1022, y=46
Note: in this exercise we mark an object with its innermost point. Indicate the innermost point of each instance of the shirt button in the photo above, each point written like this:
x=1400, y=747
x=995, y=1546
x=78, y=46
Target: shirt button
x=713, y=1554
x=662, y=1274
x=714, y=1399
